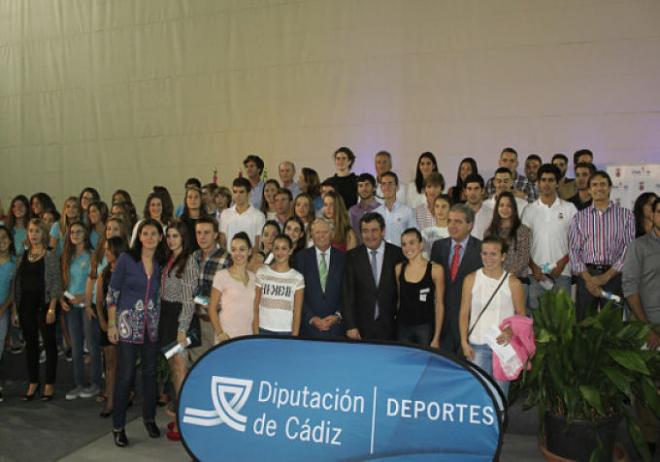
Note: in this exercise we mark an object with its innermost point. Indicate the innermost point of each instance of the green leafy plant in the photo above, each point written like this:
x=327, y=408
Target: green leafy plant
x=591, y=370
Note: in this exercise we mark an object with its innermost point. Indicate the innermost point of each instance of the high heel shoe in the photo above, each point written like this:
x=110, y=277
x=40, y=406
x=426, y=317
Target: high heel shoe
x=29, y=397
x=105, y=413
x=152, y=429
x=120, y=437
x=49, y=396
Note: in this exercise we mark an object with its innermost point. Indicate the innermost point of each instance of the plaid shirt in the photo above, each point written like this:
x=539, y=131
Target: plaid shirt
x=520, y=183
x=217, y=261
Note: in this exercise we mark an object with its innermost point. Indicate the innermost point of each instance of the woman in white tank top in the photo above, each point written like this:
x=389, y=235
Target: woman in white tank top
x=478, y=288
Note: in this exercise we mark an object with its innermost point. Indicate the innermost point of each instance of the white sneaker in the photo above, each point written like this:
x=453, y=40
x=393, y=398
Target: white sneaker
x=73, y=394
x=90, y=391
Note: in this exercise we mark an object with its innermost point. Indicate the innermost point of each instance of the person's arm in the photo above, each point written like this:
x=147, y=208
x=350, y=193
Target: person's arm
x=103, y=322
x=53, y=284
x=112, y=297
x=89, y=292
x=189, y=286
x=255, y=315
x=438, y=275
x=213, y=313
x=297, y=309
x=464, y=315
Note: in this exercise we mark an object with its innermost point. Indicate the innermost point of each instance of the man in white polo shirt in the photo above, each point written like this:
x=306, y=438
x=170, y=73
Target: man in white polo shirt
x=242, y=216
x=398, y=217
x=549, y=218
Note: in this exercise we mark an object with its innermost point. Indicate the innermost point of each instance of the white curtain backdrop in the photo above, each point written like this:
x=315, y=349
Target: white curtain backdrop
x=131, y=93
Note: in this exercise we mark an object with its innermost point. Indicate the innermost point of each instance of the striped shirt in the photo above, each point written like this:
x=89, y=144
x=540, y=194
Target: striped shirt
x=600, y=238
x=425, y=218
x=181, y=290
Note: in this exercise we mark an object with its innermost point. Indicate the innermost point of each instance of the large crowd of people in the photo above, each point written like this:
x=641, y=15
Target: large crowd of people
x=357, y=256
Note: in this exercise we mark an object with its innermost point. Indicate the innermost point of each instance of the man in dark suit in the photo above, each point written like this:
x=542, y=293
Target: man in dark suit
x=459, y=255
x=323, y=269
x=370, y=289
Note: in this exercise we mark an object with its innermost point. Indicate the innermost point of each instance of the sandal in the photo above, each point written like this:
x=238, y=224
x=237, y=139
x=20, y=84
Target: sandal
x=101, y=398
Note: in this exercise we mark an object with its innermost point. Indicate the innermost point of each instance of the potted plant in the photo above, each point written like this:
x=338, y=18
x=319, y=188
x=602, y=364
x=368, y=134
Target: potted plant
x=585, y=376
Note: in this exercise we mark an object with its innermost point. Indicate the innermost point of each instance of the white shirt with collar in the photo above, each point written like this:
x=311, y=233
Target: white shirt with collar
x=549, y=226
x=482, y=220
x=232, y=222
x=319, y=254
x=397, y=220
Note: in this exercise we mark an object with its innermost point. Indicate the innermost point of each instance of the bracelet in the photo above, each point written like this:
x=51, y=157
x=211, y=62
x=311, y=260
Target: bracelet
x=111, y=324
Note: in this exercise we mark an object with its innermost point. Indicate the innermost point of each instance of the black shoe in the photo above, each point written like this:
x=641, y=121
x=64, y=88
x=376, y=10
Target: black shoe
x=30, y=397
x=47, y=397
x=120, y=437
x=152, y=429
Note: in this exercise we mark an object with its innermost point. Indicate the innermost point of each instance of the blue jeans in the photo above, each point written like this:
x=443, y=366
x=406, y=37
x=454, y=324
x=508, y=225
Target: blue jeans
x=126, y=355
x=78, y=322
x=536, y=290
x=483, y=357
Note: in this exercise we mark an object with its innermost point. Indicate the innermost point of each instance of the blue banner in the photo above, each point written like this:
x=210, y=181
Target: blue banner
x=265, y=398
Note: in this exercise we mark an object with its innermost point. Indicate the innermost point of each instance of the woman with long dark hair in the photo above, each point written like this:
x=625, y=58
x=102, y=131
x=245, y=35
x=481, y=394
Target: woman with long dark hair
x=643, y=212
x=114, y=247
x=17, y=219
x=70, y=214
x=37, y=287
x=467, y=167
x=178, y=284
x=97, y=215
x=268, y=198
x=133, y=314
x=426, y=164
x=295, y=229
x=39, y=203
x=506, y=225
x=86, y=197
x=154, y=208
x=310, y=183
x=193, y=210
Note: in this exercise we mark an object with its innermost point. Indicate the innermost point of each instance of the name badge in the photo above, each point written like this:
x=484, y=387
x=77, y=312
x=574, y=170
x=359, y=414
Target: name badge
x=423, y=294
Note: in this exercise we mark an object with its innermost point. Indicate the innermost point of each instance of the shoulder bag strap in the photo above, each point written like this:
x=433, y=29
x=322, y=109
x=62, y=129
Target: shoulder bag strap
x=506, y=274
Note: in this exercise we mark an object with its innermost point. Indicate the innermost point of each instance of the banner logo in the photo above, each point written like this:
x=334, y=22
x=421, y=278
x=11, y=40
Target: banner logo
x=228, y=396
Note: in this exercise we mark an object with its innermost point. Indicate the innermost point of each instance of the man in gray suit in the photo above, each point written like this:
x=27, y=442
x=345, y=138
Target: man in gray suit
x=459, y=255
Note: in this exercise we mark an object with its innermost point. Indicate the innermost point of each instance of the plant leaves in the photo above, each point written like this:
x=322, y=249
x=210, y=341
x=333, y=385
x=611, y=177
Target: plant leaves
x=619, y=379
x=592, y=396
x=650, y=393
x=631, y=360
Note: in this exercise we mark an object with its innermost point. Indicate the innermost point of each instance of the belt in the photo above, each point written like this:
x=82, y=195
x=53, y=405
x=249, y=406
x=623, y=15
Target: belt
x=598, y=267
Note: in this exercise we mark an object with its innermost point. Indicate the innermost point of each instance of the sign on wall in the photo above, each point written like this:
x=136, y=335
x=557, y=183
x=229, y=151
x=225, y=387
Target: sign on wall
x=264, y=398
x=629, y=181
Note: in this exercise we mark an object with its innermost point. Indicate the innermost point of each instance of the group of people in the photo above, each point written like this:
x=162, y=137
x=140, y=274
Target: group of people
x=363, y=257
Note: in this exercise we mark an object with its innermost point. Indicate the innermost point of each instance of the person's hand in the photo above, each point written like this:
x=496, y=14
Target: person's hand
x=594, y=289
x=468, y=352
x=50, y=316
x=113, y=335
x=78, y=299
x=182, y=339
x=91, y=313
x=220, y=337
x=14, y=319
x=538, y=274
x=318, y=323
x=65, y=304
x=556, y=272
x=505, y=337
x=353, y=334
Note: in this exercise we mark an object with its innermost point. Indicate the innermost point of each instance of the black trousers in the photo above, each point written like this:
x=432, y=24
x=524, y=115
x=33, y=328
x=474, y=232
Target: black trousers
x=32, y=314
x=585, y=303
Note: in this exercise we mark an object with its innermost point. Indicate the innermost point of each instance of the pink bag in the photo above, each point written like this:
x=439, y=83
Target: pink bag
x=522, y=342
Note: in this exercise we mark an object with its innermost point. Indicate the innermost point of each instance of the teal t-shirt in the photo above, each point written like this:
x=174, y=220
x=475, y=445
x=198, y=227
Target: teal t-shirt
x=19, y=235
x=78, y=273
x=7, y=272
x=55, y=232
x=94, y=238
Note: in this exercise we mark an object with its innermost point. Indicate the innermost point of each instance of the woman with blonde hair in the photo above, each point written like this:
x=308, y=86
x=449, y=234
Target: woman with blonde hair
x=70, y=214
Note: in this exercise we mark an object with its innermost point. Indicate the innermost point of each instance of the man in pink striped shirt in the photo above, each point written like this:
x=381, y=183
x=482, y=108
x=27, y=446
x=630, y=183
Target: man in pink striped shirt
x=598, y=237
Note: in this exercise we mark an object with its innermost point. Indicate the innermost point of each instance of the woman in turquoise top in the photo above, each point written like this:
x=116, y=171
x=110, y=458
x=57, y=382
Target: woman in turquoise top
x=7, y=272
x=70, y=213
x=97, y=215
x=17, y=219
x=76, y=264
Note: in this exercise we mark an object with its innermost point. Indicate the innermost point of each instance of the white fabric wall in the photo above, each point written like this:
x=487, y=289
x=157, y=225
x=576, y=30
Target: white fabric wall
x=128, y=93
